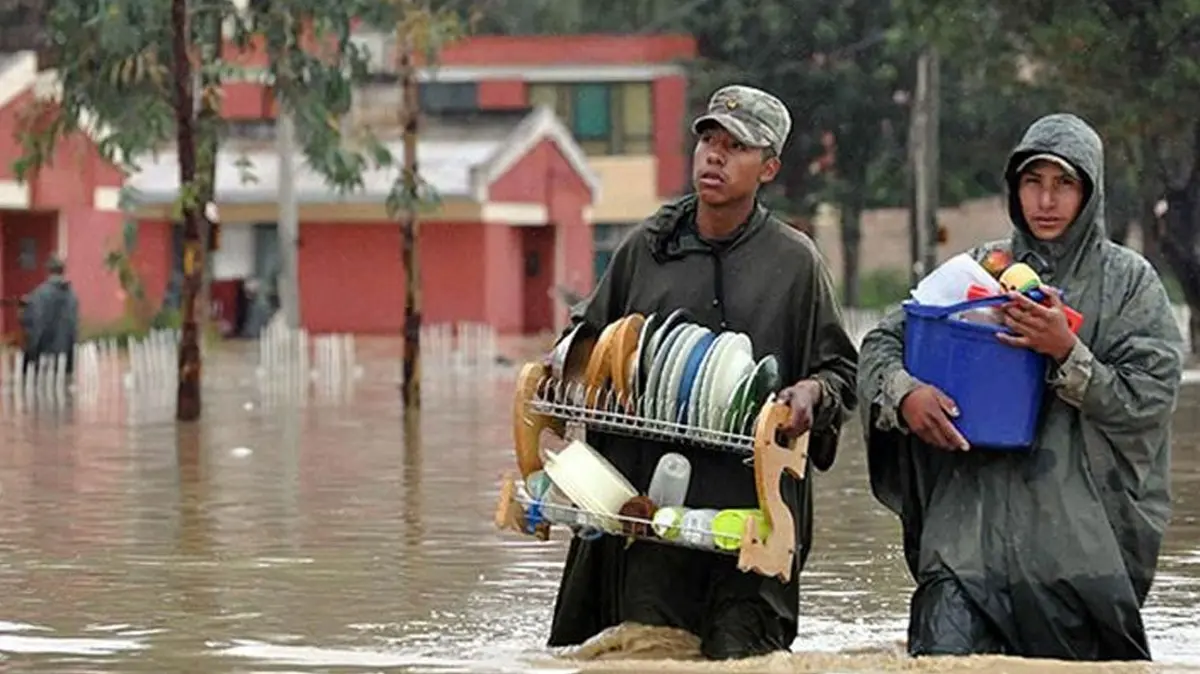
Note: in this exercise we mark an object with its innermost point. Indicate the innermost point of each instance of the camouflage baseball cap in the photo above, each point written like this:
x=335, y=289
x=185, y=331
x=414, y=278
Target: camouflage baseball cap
x=753, y=116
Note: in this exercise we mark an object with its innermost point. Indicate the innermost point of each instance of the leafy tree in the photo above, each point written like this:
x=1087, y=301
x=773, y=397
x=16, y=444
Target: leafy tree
x=842, y=67
x=829, y=61
x=130, y=67
x=1132, y=68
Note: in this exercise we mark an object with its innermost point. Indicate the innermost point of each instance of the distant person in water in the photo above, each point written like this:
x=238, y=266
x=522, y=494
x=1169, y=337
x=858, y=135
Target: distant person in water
x=1048, y=552
x=50, y=319
x=258, y=310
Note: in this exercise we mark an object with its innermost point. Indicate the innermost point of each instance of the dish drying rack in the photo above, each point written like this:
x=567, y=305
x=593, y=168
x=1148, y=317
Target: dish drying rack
x=634, y=528
x=605, y=410
x=540, y=403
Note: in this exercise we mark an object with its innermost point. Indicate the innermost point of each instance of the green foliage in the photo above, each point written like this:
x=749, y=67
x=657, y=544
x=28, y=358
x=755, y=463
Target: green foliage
x=1130, y=68
x=846, y=70
x=1133, y=69
x=841, y=67
x=122, y=330
x=128, y=327
x=115, y=65
x=424, y=30
x=883, y=288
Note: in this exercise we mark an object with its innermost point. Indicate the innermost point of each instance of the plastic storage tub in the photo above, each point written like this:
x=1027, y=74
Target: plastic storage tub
x=998, y=388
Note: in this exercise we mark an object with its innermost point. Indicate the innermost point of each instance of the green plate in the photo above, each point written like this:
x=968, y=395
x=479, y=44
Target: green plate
x=736, y=401
x=764, y=381
x=750, y=395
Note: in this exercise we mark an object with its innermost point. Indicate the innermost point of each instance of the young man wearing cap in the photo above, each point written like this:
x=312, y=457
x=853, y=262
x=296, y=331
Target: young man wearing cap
x=1048, y=552
x=722, y=256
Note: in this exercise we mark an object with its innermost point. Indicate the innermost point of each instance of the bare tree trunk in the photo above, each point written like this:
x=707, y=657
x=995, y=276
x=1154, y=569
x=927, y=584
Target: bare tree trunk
x=411, y=229
x=187, y=406
x=1179, y=248
x=208, y=121
x=1180, y=240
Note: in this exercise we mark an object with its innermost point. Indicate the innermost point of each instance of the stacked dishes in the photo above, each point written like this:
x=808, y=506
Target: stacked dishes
x=667, y=368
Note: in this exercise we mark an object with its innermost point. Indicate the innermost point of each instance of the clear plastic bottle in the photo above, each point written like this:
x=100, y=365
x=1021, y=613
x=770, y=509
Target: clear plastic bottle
x=669, y=485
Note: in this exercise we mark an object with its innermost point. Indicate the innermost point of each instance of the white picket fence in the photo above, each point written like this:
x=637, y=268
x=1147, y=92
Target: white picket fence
x=291, y=363
x=457, y=347
x=151, y=365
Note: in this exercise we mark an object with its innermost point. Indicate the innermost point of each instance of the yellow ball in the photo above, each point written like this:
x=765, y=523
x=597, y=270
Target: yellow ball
x=1020, y=277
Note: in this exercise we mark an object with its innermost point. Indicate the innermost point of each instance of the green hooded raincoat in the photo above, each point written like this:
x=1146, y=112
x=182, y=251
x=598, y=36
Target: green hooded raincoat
x=1049, y=553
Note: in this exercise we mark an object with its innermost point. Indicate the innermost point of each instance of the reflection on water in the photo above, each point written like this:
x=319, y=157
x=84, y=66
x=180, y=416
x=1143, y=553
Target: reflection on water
x=323, y=534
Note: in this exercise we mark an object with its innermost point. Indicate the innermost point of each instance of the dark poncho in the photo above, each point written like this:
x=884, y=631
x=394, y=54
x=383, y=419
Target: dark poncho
x=768, y=282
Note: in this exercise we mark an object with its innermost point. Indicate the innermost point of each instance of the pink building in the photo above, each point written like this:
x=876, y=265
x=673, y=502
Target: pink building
x=543, y=151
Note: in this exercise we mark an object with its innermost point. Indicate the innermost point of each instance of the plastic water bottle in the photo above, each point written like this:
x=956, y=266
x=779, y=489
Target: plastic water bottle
x=669, y=485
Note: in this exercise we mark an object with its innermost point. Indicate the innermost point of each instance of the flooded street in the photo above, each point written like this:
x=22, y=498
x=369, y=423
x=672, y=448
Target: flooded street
x=326, y=536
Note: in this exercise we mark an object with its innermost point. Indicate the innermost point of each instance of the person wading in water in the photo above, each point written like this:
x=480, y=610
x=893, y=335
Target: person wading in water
x=723, y=256
x=1047, y=553
x=50, y=319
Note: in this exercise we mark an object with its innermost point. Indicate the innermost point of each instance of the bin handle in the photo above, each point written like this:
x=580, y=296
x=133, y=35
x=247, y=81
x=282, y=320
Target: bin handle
x=927, y=311
x=935, y=312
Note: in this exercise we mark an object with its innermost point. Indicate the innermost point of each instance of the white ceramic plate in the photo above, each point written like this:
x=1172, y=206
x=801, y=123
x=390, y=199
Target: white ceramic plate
x=660, y=391
x=729, y=341
x=665, y=327
x=696, y=408
x=650, y=395
x=669, y=410
x=737, y=360
x=635, y=368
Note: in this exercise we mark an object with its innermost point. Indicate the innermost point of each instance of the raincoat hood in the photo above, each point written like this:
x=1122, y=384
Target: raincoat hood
x=1071, y=138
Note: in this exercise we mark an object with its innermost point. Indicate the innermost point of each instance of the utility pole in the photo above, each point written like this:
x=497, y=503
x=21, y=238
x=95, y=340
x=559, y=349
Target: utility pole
x=923, y=158
x=409, y=115
x=932, y=154
x=288, y=229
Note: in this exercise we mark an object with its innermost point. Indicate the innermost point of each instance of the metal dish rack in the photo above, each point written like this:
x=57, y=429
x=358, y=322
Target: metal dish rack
x=570, y=409
x=615, y=414
x=589, y=525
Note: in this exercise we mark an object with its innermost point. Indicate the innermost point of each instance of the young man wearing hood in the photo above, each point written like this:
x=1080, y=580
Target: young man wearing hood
x=721, y=255
x=1051, y=552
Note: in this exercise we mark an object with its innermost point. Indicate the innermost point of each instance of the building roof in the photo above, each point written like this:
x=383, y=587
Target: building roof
x=544, y=58
x=455, y=165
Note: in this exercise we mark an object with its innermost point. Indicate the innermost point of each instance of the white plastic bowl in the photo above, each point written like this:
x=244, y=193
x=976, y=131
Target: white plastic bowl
x=587, y=478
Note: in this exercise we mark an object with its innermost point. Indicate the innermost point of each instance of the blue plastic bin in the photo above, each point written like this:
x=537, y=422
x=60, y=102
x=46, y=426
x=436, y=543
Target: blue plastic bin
x=998, y=388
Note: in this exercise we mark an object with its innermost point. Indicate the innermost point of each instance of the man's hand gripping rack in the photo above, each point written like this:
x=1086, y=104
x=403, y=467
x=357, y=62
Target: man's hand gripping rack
x=541, y=405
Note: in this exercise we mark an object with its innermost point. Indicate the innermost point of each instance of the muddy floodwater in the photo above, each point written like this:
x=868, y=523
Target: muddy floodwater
x=316, y=533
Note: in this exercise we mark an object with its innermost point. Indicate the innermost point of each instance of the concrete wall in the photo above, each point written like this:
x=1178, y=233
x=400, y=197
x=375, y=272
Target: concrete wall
x=885, y=235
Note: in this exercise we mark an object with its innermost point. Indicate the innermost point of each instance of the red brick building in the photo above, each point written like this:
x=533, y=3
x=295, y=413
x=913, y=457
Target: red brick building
x=69, y=208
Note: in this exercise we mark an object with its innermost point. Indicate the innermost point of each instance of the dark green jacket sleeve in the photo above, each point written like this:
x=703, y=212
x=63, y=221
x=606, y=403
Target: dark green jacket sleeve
x=607, y=301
